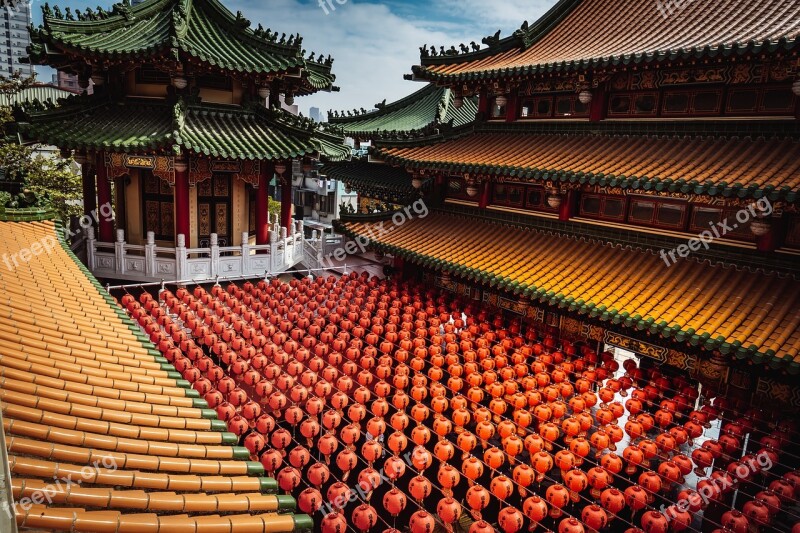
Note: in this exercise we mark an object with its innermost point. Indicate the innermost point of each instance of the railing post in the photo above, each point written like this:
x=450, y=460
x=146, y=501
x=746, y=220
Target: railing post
x=245, y=253
x=273, y=249
x=90, y=248
x=214, y=255
x=119, y=251
x=181, y=265
x=150, y=255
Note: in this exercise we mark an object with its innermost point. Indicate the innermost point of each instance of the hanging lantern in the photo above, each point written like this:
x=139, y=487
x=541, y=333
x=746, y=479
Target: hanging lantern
x=458, y=101
x=289, y=99
x=421, y=522
x=365, y=517
x=416, y=182
x=554, y=199
x=334, y=523
x=263, y=92
x=759, y=226
x=280, y=168
x=501, y=100
x=179, y=82
x=510, y=520
x=585, y=97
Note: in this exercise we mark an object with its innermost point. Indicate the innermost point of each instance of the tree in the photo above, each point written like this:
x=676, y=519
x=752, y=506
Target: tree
x=30, y=179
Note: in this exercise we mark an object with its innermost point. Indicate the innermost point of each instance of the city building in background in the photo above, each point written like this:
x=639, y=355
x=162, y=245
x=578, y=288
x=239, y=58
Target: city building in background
x=16, y=21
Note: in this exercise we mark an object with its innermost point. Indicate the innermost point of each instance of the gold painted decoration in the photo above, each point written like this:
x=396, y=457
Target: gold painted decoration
x=222, y=165
x=659, y=353
x=164, y=168
x=250, y=172
x=140, y=161
x=115, y=165
x=199, y=170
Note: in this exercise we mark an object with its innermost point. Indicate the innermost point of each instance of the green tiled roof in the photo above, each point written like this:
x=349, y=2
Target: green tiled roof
x=375, y=180
x=219, y=131
x=42, y=93
x=426, y=107
x=203, y=30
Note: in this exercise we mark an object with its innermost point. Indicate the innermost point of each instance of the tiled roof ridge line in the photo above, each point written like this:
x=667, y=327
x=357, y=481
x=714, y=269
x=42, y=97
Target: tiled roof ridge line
x=726, y=265
x=392, y=106
x=629, y=59
x=524, y=38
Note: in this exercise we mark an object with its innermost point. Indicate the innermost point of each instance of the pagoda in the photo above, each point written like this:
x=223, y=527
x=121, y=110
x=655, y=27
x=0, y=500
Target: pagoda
x=622, y=183
x=185, y=125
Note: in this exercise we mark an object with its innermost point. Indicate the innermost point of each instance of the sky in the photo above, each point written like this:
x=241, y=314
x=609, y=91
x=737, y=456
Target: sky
x=373, y=43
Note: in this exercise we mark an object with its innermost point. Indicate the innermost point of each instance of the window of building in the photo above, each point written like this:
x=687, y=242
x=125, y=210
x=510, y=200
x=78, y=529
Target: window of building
x=793, y=232
x=602, y=206
x=661, y=214
x=508, y=195
x=499, y=108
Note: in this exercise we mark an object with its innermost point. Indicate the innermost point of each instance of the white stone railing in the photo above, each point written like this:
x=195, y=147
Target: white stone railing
x=318, y=247
x=149, y=262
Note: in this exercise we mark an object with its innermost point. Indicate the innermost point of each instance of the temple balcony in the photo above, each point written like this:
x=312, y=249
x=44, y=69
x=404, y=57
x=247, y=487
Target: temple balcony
x=149, y=262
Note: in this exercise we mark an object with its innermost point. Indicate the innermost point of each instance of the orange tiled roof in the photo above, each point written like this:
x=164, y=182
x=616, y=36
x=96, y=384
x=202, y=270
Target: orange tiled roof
x=702, y=165
x=587, y=33
x=79, y=387
x=748, y=314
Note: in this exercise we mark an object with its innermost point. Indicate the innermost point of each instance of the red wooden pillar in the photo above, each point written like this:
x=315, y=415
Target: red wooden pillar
x=182, y=223
x=511, y=107
x=286, y=204
x=262, y=203
x=106, y=224
x=567, y=208
x=89, y=187
x=771, y=240
x=485, y=191
x=483, y=105
x=597, y=107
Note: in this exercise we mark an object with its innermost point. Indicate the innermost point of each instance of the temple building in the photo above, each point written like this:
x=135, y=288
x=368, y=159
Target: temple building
x=183, y=133
x=634, y=187
x=592, y=323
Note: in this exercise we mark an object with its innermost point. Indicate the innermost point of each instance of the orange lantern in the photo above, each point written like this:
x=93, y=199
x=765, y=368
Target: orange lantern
x=394, y=501
x=494, y=458
x=365, y=517
x=510, y=520
x=419, y=488
x=635, y=497
x=612, y=500
x=535, y=508
x=449, y=510
x=477, y=498
x=594, y=517
x=309, y=501
x=336, y=523
x=472, y=468
x=654, y=522
x=570, y=525
x=558, y=497
x=502, y=487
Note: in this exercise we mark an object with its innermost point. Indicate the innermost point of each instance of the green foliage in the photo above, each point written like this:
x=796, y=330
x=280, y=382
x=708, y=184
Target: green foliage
x=29, y=179
x=274, y=207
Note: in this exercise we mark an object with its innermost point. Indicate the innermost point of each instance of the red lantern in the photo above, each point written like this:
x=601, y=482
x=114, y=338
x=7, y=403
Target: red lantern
x=336, y=523
x=309, y=501
x=364, y=517
x=477, y=498
x=510, y=520
x=394, y=501
x=558, y=497
x=419, y=488
x=449, y=510
x=594, y=517
x=420, y=522
x=570, y=525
